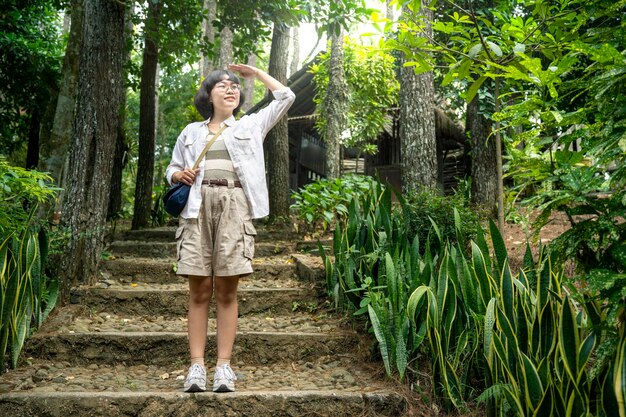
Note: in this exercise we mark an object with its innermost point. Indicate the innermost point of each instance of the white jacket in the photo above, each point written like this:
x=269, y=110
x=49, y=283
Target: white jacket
x=244, y=141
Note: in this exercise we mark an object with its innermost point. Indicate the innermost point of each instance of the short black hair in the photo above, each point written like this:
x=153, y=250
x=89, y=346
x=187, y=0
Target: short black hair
x=202, y=98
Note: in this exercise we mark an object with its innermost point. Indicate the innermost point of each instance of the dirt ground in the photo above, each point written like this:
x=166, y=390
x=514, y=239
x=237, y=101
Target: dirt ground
x=516, y=236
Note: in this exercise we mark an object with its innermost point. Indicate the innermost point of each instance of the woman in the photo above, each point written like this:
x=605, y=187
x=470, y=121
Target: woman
x=215, y=237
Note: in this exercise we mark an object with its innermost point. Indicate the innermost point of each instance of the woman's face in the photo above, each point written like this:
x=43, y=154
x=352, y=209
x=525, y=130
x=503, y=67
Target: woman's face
x=225, y=95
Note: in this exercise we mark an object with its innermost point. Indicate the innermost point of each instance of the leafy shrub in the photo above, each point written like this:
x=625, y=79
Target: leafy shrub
x=27, y=294
x=320, y=203
x=518, y=342
x=428, y=207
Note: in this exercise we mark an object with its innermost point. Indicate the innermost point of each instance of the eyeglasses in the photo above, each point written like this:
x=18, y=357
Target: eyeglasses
x=236, y=88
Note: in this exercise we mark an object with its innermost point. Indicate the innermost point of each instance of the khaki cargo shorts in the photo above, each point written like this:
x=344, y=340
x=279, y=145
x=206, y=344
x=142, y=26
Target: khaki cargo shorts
x=220, y=242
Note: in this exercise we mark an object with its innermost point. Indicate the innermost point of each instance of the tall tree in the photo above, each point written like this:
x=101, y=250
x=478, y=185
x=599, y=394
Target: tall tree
x=335, y=103
x=417, y=118
x=226, y=47
x=483, y=161
x=207, y=65
x=278, y=138
x=147, y=105
x=248, y=86
x=95, y=132
x=295, y=51
x=121, y=144
x=54, y=150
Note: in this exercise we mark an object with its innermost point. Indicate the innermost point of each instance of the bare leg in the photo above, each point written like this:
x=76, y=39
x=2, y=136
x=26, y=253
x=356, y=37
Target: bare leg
x=200, y=293
x=226, y=298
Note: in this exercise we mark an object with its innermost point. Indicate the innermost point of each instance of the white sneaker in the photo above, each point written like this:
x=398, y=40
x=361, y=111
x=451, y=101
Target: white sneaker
x=224, y=379
x=196, y=379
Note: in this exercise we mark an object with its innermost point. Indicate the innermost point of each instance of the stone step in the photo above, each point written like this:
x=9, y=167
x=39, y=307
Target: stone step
x=84, y=322
x=162, y=270
x=255, y=403
x=338, y=386
x=163, y=348
x=162, y=250
x=172, y=299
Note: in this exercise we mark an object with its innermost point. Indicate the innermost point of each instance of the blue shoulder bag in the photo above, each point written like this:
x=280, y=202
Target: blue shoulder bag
x=176, y=197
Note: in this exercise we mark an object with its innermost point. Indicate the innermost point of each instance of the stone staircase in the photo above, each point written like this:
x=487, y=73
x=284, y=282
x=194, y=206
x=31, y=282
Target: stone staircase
x=120, y=348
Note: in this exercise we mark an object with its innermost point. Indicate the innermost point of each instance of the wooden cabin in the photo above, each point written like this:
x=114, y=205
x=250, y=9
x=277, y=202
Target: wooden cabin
x=307, y=152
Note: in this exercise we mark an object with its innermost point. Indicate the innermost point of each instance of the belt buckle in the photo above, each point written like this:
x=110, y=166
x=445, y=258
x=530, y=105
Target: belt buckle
x=230, y=183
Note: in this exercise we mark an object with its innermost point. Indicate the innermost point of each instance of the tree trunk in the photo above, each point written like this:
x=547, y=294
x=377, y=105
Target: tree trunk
x=121, y=144
x=248, y=87
x=32, y=152
x=417, y=124
x=335, y=105
x=54, y=147
x=295, y=53
x=278, y=137
x=95, y=131
x=389, y=10
x=208, y=36
x=226, y=48
x=483, y=160
x=147, y=103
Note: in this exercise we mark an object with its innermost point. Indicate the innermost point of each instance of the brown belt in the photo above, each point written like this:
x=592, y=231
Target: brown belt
x=221, y=183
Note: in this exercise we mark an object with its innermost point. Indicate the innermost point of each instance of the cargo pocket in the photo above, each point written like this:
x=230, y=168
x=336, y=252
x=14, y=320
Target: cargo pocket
x=248, y=239
x=179, y=239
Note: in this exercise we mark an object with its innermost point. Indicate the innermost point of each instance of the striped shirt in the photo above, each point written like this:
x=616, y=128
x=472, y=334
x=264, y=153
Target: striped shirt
x=218, y=164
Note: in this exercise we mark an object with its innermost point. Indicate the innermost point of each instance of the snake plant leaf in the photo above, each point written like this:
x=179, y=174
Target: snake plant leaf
x=379, y=332
x=499, y=247
x=453, y=386
x=533, y=387
x=414, y=300
x=569, y=340
x=619, y=378
x=490, y=319
x=402, y=355
x=546, y=407
x=507, y=294
x=609, y=401
x=481, y=271
x=584, y=353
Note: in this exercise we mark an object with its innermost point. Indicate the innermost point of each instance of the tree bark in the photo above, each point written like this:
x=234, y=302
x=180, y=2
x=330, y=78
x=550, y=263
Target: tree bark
x=389, y=10
x=208, y=35
x=147, y=104
x=121, y=144
x=278, y=137
x=335, y=105
x=226, y=48
x=483, y=160
x=32, y=152
x=54, y=147
x=295, y=53
x=95, y=131
x=417, y=124
x=248, y=87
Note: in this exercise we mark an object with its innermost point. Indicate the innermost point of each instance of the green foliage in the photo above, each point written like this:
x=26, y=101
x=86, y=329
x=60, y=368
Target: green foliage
x=517, y=338
x=372, y=90
x=427, y=207
x=27, y=294
x=30, y=56
x=322, y=203
x=20, y=191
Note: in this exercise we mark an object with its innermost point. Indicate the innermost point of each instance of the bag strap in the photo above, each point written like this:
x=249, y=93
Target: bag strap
x=208, y=146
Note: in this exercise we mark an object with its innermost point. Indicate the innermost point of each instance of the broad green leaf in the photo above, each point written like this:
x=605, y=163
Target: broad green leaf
x=475, y=50
x=495, y=48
